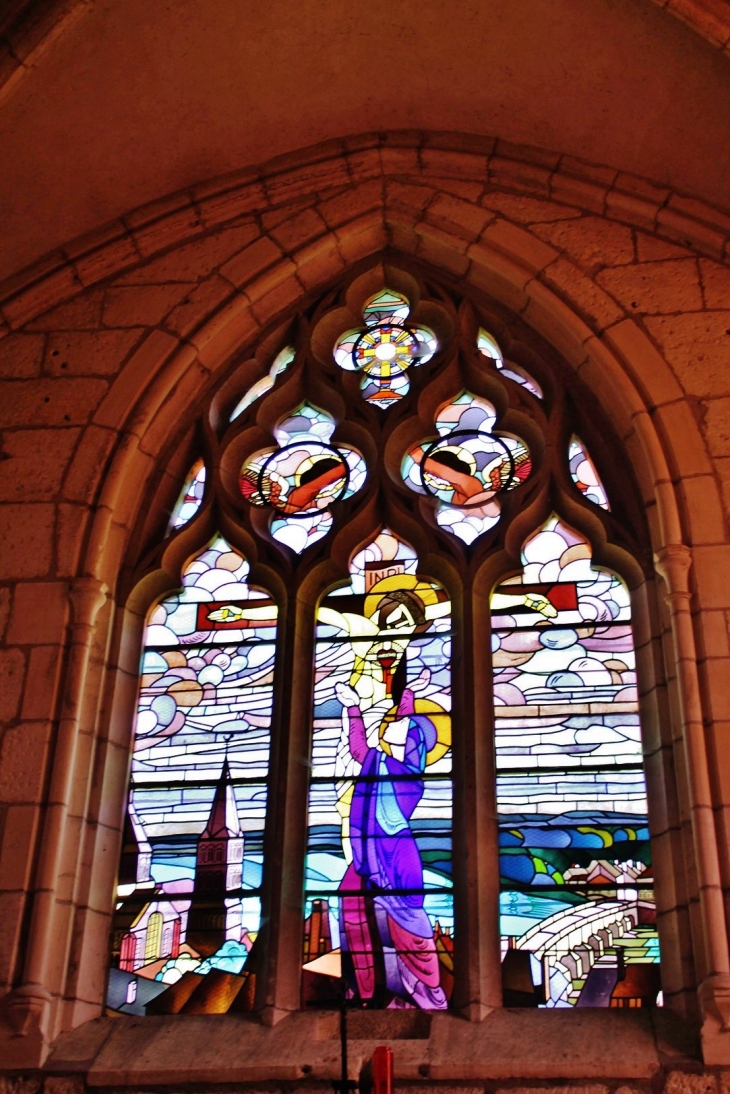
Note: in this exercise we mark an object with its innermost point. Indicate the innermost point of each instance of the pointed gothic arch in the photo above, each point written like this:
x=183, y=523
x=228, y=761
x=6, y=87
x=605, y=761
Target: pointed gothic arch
x=249, y=431
x=562, y=329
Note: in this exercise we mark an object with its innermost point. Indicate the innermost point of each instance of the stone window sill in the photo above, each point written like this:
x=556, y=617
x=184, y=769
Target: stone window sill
x=304, y=1047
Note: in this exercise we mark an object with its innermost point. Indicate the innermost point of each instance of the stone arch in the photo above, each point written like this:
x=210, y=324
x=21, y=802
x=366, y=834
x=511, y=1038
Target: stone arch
x=455, y=236
x=621, y=364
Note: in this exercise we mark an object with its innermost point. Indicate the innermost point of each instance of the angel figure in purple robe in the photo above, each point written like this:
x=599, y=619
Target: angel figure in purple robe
x=389, y=918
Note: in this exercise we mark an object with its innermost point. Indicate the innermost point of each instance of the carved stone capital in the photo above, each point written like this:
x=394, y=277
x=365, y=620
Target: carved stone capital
x=673, y=563
x=714, y=996
x=26, y=1009
x=88, y=596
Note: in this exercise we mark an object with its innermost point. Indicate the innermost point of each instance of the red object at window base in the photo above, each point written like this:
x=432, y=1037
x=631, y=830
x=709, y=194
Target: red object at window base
x=383, y=1070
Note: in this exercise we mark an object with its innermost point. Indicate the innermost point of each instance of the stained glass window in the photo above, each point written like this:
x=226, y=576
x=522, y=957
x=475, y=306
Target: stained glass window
x=385, y=348
x=281, y=363
x=577, y=902
x=584, y=474
x=379, y=905
x=466, y=467
x=489, y=346
x=189, y=898
x=303, y=477
x=191, y=497
x=578, y=920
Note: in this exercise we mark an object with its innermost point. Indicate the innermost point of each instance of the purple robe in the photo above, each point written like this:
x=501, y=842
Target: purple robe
x=386, y=858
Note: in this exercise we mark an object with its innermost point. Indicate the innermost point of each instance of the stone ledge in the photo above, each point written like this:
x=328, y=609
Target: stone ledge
x=609, y=1047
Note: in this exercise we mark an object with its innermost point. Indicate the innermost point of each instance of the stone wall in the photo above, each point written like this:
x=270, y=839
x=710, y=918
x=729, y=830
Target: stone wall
x=109, y=345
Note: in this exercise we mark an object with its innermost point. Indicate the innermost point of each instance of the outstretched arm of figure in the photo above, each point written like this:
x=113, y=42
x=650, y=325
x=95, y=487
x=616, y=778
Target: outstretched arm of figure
x=407, y=703
x=357, y=735
x=536, y=602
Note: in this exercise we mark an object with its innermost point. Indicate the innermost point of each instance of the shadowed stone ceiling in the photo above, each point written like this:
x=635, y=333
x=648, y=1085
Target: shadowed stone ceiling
x=126, y=102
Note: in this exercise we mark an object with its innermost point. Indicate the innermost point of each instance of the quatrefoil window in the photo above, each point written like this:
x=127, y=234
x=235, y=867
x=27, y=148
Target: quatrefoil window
x=467, y=467
x=303, y=477
x=385, y=348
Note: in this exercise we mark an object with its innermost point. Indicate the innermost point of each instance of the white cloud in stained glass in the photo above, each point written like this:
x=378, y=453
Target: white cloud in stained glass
x=584, y=475
x=302, y=478
x=218, y=573
x=466, y=467
x=489, y=346
x=191, y=497
x=281, y=362
x=466, y=412
x=302, y=533
x=306, y=423
x=385, y=349
x=385, y=550
x=555, y=554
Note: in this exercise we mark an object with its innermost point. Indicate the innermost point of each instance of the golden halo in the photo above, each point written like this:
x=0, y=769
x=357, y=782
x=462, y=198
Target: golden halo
x=441, y=720
x=399, y=583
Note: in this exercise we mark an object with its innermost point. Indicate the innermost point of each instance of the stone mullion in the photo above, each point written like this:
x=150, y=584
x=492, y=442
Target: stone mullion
x=662, y=755
x=673, y=564
x=30, y=1007
x=281, y=992
x=477, y=986
x=694, y=961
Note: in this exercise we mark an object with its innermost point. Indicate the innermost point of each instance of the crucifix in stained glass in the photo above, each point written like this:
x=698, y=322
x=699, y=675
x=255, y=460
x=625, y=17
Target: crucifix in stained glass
x=379, y=904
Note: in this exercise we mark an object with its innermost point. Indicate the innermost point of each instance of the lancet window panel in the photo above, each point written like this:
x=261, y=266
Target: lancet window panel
x=380, y=910
x=577, y=907
x=390, y=444
x=189, y=891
